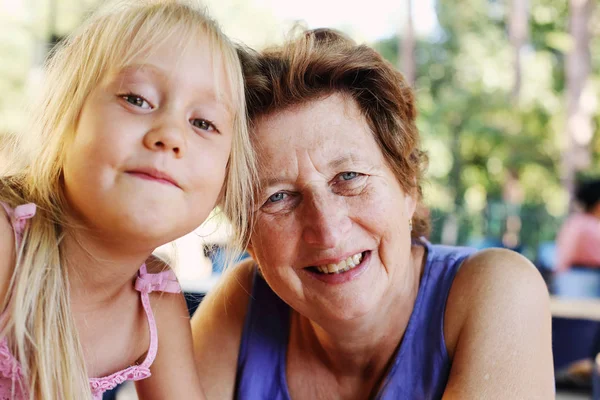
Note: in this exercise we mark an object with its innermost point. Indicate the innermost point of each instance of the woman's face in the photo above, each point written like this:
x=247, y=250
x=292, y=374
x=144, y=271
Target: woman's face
x=332, y=231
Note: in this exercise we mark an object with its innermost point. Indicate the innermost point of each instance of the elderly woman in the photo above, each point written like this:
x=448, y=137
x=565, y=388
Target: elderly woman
x=344, y=299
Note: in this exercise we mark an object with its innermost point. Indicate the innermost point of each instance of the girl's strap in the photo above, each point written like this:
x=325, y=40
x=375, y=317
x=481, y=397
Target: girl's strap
x=146, y=283
x=152, y=349
x=164, y=281
x=18, y=218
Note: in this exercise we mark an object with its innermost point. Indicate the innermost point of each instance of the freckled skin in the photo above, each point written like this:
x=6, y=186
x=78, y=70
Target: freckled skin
x=328, y=193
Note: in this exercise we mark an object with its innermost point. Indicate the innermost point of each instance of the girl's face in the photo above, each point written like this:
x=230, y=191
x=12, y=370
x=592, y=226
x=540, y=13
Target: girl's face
x=151, y=147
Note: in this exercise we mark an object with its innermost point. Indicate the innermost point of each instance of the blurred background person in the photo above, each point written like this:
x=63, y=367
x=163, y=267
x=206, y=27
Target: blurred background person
x=578, y=246
x=579, y=237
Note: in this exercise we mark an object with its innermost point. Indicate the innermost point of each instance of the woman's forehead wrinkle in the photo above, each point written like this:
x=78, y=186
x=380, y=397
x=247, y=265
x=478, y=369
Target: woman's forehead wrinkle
x=309, y=168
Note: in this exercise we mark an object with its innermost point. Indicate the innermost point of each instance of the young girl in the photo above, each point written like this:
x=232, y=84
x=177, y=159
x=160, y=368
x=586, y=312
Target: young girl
x=140, y=132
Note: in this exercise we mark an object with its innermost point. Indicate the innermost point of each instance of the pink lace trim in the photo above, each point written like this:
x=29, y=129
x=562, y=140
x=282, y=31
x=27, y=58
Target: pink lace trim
x=11, y=369
x=133, y=373
x=9, y=366
x=145, y=284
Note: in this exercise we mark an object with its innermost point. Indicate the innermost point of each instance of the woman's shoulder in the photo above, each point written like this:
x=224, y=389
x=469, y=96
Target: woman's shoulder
x=496, y=263
x=490, y=283
x=217, y=330
x=497, y=274
x=498, y=329
x=234, y=288
x=227, y=303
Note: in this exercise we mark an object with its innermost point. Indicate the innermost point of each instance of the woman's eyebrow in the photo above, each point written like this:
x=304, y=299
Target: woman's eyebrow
x=272, y=181
x=335, y=163
x=341, y=160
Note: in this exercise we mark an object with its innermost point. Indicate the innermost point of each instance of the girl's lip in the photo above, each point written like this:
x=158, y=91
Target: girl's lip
x=154, y=175
x=342, y=277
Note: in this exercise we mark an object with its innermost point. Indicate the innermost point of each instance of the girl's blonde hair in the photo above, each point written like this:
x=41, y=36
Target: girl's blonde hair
x=40, y=326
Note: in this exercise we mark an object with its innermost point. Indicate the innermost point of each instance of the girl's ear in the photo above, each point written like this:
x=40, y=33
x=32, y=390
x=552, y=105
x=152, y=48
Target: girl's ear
x=250, y=249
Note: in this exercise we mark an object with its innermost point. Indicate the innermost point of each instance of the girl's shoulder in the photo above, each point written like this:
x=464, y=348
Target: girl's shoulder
x=7, y=251
x=6, y=231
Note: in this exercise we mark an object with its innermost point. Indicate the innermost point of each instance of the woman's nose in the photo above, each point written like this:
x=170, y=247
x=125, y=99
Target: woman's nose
x=325, y=220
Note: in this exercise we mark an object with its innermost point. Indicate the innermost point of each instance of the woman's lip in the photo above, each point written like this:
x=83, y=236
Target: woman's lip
x=342, y=277
x=154, y=175
x=336, y=260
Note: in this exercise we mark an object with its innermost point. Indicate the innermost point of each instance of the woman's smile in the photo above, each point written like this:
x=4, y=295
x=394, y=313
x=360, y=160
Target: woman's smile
x=342, y=272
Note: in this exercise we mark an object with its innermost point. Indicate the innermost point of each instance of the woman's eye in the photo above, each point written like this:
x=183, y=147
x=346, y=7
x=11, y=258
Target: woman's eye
x=349, y=183
x=137, y=101
x=276, y=197
x=346, y=176
x=203, y=124
x=281, y=203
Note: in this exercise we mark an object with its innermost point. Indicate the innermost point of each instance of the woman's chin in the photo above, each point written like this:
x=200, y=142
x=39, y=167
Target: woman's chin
x=347, y=307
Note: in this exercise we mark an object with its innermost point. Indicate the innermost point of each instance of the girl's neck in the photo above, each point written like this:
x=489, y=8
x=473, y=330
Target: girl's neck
x=99, y=269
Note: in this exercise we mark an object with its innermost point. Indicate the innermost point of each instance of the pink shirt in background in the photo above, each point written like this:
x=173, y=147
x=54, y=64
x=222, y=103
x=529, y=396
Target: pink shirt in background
x=578, y=242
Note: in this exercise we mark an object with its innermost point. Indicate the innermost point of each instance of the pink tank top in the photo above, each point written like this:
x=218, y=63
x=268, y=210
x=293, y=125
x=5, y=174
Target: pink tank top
x=10, y=369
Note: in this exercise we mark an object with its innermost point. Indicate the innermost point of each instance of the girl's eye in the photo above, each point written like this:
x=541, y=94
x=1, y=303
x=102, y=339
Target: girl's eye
x=346, y=176
x=203, y=124
x=137, y=101
x=276, y=197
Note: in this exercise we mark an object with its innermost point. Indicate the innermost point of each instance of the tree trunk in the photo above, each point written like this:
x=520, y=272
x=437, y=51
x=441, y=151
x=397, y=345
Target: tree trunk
x=518, y=33
x=579, y=130
x=406, y=61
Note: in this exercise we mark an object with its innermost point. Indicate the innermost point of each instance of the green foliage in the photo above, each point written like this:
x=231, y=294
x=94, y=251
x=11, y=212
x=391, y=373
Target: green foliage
x=503, y=152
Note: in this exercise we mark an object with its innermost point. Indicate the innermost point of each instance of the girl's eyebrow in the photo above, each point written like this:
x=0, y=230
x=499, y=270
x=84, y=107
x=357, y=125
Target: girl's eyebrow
x=143, y=69
x=207, y=94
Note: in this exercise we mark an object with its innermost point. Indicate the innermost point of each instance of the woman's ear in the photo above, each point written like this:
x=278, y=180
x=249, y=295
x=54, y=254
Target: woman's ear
x=410, y=204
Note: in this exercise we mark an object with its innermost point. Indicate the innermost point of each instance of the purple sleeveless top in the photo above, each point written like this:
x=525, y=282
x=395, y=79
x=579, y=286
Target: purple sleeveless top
x=421, y=365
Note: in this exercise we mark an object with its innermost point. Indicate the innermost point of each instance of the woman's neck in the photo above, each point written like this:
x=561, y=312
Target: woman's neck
x=363, y=346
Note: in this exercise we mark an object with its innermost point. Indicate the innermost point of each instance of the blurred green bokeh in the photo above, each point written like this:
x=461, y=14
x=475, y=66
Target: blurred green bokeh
x=495, y=158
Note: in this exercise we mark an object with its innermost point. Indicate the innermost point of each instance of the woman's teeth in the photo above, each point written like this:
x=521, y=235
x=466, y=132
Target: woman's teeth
x=342, y=266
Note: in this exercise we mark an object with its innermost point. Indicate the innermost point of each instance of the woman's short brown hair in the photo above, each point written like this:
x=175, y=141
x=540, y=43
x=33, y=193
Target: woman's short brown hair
x=321, y=62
